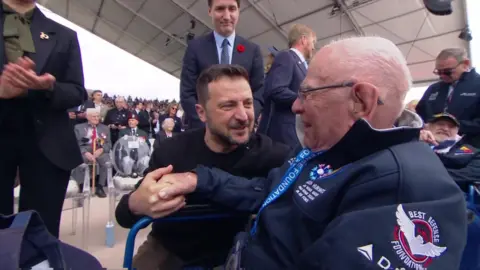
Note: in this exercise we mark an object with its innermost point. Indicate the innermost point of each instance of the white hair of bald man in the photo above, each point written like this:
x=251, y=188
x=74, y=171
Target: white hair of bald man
x=378, y=61
x=91, y=111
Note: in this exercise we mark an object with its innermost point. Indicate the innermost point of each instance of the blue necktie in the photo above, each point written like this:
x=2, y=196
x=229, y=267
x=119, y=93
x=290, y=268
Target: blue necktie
x=225, y=57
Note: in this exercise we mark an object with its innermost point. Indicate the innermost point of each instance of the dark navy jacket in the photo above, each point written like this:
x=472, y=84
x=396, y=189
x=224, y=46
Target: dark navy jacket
x=464, y=105
x=281, y=90
x=388, y=190
x=462, y=162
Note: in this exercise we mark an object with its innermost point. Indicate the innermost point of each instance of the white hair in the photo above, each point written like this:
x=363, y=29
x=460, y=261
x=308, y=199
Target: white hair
x=375, y=60
x=91, y=111
x=166, y=121
x=120, y=98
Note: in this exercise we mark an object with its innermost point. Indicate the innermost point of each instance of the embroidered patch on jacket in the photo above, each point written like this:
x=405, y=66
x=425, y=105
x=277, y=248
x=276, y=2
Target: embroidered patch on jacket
x=320, y=171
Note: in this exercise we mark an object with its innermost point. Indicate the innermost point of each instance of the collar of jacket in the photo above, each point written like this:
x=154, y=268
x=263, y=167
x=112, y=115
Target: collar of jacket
x=362, y=139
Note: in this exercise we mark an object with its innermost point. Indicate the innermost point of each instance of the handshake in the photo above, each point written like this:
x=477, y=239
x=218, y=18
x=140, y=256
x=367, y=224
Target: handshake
x=162, y=193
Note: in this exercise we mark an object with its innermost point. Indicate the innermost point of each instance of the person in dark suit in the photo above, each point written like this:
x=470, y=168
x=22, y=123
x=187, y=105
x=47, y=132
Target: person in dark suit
x=42, y=79
x=143, y=117
x=283, y=80
x=222, y=46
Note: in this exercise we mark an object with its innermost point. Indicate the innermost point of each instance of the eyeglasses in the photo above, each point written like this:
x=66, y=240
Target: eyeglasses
x=302, y=94
x=174, y=108
x=445, y=71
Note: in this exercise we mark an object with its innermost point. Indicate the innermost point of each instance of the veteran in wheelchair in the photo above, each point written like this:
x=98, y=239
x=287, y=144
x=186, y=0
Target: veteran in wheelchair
x=359, y=194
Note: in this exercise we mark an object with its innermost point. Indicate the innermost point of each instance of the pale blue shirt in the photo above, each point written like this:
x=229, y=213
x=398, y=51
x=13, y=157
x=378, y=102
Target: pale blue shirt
x=300, y=55
x=219, y=40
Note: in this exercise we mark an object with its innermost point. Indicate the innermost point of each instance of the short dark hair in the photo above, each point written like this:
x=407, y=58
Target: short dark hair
x=96, y=91
x=210, y=2
x=215, y=73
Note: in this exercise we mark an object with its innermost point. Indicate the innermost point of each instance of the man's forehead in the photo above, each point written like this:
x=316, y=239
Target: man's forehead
x=449, y=61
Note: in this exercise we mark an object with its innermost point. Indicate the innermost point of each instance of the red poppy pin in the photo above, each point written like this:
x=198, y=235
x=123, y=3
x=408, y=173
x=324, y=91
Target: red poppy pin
x=240, y=48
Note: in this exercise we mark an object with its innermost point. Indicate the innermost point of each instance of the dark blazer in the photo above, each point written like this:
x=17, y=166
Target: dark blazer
x=160, y=136
x=202, y=53
x=281, y=89
x=60, y=56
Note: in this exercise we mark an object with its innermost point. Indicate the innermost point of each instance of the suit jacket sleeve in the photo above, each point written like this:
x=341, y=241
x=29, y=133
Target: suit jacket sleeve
x=69, y=90
x=277, y=85
x=78, y=134
x=257, y=77
x=188, y=79
x=107, y=146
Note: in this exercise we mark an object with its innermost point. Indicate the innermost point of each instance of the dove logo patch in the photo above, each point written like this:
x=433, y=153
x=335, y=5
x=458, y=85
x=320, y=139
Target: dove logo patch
x=416, y=239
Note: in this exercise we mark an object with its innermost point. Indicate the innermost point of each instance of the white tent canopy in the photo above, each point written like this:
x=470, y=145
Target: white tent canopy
x=157, y=31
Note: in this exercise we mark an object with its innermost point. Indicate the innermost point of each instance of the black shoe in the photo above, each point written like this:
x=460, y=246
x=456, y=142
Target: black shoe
x=100, y=193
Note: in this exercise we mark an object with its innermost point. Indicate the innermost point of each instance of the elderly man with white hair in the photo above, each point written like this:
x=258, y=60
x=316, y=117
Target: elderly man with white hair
x=90, y=135
x=360, y=193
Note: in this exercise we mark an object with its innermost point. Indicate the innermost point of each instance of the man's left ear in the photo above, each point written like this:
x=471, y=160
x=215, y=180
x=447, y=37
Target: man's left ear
x=365, y=97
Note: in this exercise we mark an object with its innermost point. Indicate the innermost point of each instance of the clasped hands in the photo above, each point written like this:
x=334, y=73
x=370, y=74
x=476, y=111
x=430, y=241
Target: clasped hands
x=162, y=193
x=17, y=78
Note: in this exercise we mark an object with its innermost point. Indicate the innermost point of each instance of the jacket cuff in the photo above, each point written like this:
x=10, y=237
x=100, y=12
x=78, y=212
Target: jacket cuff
x=202, y=179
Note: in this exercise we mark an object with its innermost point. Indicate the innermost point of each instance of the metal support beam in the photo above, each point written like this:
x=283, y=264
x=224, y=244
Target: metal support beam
x=267, y=17
x=352, y=19
x=98, y=15
x=152, y=23
x=67, y=10
x=186, y=10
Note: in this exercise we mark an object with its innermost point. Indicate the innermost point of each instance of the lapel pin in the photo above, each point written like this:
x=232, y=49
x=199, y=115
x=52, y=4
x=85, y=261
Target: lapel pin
x=43, y=36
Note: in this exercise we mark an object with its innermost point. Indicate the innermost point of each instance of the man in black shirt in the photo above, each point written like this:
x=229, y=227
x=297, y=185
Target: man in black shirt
x=227, y=142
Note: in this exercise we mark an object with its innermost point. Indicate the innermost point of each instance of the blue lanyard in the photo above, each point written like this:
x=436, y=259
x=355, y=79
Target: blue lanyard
x=288, y=179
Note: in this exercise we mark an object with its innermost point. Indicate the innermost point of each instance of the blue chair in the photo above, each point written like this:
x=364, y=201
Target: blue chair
x=189, y=213
x=471, y=254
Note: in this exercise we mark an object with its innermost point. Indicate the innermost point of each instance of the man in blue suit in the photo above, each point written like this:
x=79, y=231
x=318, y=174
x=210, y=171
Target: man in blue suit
x=222, y=46
x=282, y=83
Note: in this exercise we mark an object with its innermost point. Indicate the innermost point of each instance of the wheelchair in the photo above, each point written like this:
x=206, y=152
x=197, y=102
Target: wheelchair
x=188, y=213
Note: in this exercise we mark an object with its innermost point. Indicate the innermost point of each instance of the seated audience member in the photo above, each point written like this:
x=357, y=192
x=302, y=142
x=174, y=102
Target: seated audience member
x=442, y=132
x=172, y=110
x=133, y=129
x=166, y=132
x=461, y=159
x=87, y=134
x=156, y=123
x=360, y=194
x=227, y=142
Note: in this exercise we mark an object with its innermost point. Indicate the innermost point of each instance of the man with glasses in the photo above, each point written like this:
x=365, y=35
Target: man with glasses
x=359, y=194
x=457, y=93
x=282, y=83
